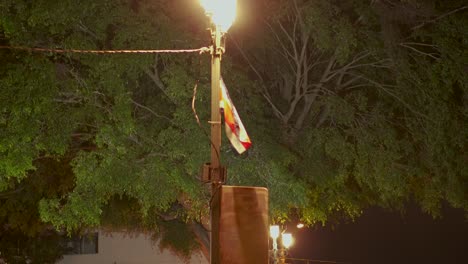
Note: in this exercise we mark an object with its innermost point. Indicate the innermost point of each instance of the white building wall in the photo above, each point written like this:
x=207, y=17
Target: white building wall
x=121, y=248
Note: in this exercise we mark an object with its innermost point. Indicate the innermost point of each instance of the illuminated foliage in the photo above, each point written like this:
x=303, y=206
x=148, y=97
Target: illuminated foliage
x=349, y=104
x=370, y=99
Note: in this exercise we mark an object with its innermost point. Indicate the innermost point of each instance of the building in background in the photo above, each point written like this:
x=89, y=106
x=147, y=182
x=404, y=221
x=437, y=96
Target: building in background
x=121, y=248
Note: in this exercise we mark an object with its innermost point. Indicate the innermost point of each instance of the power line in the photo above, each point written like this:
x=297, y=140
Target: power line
x=200, y=50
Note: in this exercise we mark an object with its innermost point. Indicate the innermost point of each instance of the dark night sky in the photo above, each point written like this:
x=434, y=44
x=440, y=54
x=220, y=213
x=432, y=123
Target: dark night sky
x=383, y=237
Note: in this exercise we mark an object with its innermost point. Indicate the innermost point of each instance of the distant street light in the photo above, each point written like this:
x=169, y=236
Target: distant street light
x=222, y=14
x=286, y=241
x=274, y=234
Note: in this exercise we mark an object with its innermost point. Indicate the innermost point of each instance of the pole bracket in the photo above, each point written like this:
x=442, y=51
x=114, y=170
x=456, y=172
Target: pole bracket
x=215, y=175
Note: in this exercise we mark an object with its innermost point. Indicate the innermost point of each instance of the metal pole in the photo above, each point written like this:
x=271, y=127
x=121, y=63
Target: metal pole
x=281, y=249
x=275, y=251
x=215, y=144
x=282, y=256
x=215, y=96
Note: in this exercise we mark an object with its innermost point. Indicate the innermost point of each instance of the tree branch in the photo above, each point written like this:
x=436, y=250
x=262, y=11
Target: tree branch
x=280, y=41
x=5, y=194
x=420, y=52
x=265, y=93
x=381, y=86
x=154, y=75
x=291, y=39
x=154, y=113
x=438, y=18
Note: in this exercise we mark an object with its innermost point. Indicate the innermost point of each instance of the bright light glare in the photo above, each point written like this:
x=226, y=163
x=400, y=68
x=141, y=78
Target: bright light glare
x=287, y=240
x=274, y=231
x=223, y=12
x=300, y=225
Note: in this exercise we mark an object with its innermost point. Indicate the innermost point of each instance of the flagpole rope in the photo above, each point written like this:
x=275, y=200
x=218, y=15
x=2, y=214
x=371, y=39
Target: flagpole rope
x=53, y=50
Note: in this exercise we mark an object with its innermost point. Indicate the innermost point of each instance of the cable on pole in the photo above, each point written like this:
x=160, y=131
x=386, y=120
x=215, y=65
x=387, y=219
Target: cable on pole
x=53, y=50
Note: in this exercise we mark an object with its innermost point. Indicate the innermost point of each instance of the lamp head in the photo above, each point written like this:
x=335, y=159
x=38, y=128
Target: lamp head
x=274, y=231
x=287, y=240
x=222, y=12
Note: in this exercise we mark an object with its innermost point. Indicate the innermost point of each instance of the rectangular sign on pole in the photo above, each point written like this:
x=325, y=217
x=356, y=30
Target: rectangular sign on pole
x=243, y=225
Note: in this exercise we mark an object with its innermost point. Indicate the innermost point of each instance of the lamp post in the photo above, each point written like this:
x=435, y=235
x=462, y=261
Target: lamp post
x=222, y=14
x=286, y=239
x=274, y=234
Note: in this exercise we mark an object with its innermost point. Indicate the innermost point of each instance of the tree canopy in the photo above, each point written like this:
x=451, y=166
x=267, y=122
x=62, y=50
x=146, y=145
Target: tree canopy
x=369, y=97
x=349, y=104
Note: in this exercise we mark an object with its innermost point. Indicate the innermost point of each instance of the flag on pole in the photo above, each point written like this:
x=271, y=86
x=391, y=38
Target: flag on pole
x=235, y=130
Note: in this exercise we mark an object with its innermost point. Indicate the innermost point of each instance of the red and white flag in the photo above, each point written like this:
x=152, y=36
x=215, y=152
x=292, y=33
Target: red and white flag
x=235, y=130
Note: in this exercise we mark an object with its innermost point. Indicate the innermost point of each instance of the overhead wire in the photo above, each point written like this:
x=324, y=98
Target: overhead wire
x=123, y=51
x=129, y=51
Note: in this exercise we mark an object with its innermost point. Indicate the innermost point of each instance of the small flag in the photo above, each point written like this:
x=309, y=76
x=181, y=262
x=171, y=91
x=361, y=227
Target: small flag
x=235, y=130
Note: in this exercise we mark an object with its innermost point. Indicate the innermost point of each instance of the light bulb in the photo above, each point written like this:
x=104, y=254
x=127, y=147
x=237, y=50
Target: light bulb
x=287, y=240
x=274, y=231
x=223, y=12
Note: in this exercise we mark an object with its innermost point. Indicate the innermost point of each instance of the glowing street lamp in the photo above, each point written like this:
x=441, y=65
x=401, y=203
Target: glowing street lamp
x=279, y=253
x=274, y=232
x=222, y=14
x=287, y=240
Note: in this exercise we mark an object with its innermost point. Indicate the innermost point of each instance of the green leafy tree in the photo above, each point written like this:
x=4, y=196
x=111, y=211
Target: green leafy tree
x=125, y=118
x=349, y=104
x=24, y=238
x=369, y=99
